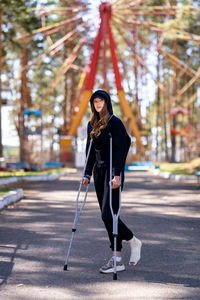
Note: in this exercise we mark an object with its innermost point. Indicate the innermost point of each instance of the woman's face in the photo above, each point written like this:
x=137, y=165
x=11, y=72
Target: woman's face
x=99, y=104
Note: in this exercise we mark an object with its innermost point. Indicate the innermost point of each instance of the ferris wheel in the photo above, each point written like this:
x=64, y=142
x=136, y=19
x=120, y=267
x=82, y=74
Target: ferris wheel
x=99, y=30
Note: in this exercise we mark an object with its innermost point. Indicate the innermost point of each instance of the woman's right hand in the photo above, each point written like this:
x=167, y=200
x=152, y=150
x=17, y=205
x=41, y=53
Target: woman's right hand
x=85, y=181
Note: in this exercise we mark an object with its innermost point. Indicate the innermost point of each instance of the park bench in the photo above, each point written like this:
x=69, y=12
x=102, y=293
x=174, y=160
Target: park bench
x=17, y=166
x=198, y=177
x=53, y=164
x=139, y=166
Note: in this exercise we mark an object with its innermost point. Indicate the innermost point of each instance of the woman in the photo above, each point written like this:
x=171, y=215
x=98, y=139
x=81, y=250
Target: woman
x=102, y=124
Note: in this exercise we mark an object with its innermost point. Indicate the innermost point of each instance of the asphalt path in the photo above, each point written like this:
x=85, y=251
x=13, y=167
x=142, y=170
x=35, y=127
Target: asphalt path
x=35, y=234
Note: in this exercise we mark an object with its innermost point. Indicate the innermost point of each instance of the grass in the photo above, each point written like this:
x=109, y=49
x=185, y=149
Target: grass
x=176, y=168
x=7, y=174
x=4, y=191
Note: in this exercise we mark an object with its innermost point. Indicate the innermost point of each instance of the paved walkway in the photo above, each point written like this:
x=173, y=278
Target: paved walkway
x=35, y=233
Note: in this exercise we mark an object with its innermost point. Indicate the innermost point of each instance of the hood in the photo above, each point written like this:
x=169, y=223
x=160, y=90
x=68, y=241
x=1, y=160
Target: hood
x=105, y=96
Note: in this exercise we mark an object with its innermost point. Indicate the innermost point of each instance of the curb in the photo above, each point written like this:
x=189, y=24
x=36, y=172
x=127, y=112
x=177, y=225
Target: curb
x=11, y=197
x=49, y=177
x=169, y=175
x=14, y=196
x=8, y=180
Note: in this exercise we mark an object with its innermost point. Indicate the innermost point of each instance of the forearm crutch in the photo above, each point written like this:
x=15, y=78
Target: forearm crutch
x=78, y=210
x=115, y=216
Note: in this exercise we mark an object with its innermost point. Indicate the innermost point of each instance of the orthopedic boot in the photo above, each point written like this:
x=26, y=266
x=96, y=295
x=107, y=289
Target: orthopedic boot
x=135, y=245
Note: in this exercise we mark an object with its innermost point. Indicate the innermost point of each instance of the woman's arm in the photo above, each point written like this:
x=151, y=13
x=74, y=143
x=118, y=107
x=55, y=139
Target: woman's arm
x=116, y=182
x=121, y=143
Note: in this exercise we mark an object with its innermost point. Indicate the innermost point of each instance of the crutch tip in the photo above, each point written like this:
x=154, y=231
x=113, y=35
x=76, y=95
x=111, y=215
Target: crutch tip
x=114, y=276
x=65, y=268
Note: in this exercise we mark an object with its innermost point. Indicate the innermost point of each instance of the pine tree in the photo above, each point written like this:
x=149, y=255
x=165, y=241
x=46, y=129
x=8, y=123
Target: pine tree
x=19, y=21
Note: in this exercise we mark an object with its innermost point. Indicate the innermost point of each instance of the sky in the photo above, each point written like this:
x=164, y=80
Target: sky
x=9, y=134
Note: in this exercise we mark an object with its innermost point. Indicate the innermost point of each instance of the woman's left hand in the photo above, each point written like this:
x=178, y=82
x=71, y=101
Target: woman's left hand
x=116, y=182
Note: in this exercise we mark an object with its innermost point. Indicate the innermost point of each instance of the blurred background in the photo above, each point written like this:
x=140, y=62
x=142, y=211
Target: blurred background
x=54, y=54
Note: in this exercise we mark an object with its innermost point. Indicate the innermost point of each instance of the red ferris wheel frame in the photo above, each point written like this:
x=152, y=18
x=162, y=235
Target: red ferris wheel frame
x=104, y=32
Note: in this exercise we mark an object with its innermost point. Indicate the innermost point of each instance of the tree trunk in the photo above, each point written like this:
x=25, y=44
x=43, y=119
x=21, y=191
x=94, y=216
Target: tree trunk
x=158, y=108
x=165, y=130
x=174, y=93
x=72, y=76
x=23, y=103
x=73, y=92
x=64, y=104
x=65, y=90
x=137, y=104
x=1, y=146
x=165, y=112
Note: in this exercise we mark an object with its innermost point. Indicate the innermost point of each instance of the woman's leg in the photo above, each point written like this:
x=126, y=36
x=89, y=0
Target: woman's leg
x=101, y=182
x=99, y=179
x=102, y=191
x=124, y=233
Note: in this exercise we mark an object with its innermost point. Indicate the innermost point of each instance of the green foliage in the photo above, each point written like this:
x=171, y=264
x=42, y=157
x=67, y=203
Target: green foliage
x=17, y=19
x=183, y=21
x=181, y=168
x=7, y=174
x=176, y=168
x=4, y=191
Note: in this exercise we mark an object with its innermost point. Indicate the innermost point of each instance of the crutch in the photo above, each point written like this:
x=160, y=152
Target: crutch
x=78, y=211
x=115, y=216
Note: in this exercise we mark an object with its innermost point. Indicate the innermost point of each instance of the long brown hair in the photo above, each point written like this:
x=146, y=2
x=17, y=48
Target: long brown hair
x=99, y=121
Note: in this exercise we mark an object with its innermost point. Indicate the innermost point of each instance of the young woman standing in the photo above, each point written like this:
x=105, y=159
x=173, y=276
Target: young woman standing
x=102, y=124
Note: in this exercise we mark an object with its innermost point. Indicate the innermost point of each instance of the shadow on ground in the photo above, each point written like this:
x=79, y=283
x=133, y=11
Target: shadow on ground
x=35, y=235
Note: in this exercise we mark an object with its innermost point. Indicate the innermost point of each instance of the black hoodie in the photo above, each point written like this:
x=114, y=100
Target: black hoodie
x=105, y=96
x=100, y=150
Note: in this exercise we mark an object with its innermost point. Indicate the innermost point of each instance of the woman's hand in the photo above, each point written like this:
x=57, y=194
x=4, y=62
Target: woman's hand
x=85, y=181
x=116, y=182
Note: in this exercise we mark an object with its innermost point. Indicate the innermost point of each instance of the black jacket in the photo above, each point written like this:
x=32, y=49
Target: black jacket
x=100, y=150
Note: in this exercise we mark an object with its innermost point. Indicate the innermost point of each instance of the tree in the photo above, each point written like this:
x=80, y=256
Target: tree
x=1, y=147
x=19, y=21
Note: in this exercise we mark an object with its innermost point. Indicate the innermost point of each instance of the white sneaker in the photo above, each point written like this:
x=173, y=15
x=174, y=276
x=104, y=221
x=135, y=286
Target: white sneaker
x=109, y=267
x=135, y=245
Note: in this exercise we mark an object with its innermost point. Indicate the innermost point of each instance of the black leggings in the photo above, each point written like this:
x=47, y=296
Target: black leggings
x=101, y=183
